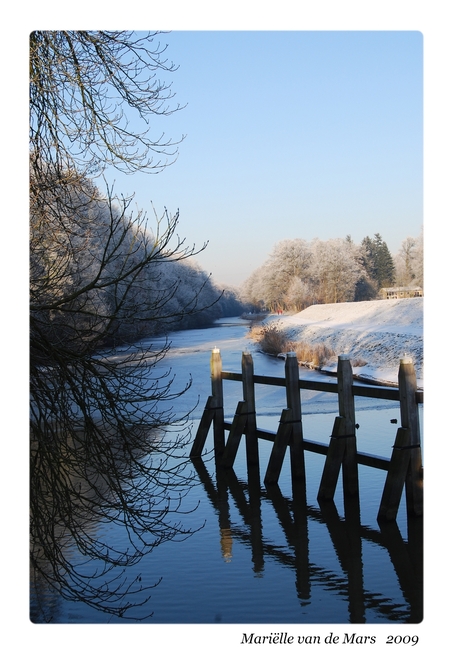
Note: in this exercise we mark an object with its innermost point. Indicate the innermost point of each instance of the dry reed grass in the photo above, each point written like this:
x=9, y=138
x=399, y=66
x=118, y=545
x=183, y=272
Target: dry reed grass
x=274, y=341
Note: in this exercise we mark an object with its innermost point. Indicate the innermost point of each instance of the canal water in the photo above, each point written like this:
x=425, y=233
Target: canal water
x=263, y=555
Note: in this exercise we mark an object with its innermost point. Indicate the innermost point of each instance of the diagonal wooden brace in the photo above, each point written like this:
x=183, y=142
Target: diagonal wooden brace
x=203, y=429
x=236, y=431
x=279, y=447
x=396, y=477
x=334, y=460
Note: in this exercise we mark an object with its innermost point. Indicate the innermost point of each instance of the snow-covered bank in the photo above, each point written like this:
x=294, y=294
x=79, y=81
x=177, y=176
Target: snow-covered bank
x=379, y=332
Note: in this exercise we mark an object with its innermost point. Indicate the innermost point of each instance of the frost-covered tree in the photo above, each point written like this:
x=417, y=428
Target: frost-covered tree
x=100, y=278
x=98, y=281
x=269, y=285
x=334, y=270
x=252, y=289
x=418, y=260
x=409, y=262
x=298, y=273
x=297, y=295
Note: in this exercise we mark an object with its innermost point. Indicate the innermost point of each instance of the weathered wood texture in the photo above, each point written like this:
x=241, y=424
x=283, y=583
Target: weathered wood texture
x=294, y=404
x=406, y=459
x=347, y=412
x=279, y=447
x=342, y=452
x=234, y=437
x=218, y=402
x=397, y=473
x=404, y=468
x=249, y=396
x=203, y=429
x=333, y=462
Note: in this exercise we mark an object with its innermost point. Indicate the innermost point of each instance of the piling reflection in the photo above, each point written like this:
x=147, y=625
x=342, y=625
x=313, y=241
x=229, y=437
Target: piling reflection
x=407, y=559
x=292, y=516
x=226, y=544
x=347, y=535
x=347, y=540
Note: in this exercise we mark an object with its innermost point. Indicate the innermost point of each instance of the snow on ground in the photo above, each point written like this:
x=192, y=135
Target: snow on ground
x=380, y=332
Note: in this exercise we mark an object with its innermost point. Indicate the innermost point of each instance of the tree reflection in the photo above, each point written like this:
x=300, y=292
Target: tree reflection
x=87, y=486
x=100, y=278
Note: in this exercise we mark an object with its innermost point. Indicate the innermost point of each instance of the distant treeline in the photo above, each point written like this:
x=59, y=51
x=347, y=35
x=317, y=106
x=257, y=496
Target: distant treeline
x=99, y=276
x=299, y=273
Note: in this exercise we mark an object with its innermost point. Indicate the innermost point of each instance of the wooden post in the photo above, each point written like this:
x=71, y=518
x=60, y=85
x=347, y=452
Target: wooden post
x=342, y=447
x=406, y=461
x=234, y=437
x=397, y=473
x=294, y=404
x=347, y=411
x=409, y=419
x=252, y=446
x=217, y=402
x=203, y=429
x=279, y=448
x=333, y=462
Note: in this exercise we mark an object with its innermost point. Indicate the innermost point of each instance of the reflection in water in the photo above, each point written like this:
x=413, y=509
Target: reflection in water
x=259, y=556
x=347, y=535
x=82, y=484
x=346, y=538
x=226, y=543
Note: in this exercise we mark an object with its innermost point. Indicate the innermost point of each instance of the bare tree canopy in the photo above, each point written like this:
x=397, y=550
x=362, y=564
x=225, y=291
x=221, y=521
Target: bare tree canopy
x=103, y=445
x=85, y=89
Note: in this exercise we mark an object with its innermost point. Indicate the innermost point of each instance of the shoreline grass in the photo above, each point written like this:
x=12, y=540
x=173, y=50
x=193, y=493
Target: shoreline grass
x=275, y=341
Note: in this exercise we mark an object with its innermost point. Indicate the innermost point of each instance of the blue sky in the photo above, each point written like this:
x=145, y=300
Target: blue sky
x=199, y=221
x=290, y=134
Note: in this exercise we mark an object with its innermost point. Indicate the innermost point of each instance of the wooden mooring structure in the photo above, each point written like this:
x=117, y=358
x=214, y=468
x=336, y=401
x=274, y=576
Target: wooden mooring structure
x=404, y=467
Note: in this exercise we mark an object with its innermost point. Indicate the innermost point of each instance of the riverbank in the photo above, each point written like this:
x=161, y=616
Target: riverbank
x=375, y=334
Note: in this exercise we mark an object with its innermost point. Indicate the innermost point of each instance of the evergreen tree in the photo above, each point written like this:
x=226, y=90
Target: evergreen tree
x=378, y=261
x=385, y=269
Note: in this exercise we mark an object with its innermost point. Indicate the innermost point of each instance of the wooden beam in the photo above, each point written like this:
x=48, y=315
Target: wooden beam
x=237, y=428
x=203, y=429
x=252, y=445
x=347, y=412
x=333, y=462
x=218, y=402
x=279, y=448
x=396, y=476
x=294, y=404
x=409, y=419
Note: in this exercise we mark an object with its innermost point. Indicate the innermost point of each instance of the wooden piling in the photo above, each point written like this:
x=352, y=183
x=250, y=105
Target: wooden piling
x=347, y=412
x=217, y=402
x=279, y=447
x=289, y=429
x=203, y=429
x=404, y=467
x=406, y=459
x=396, y=477
x=234, y=437
x=249, y=397
x=294, y=404
x=342, y=452
x=409, y=419
x=333, y=461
